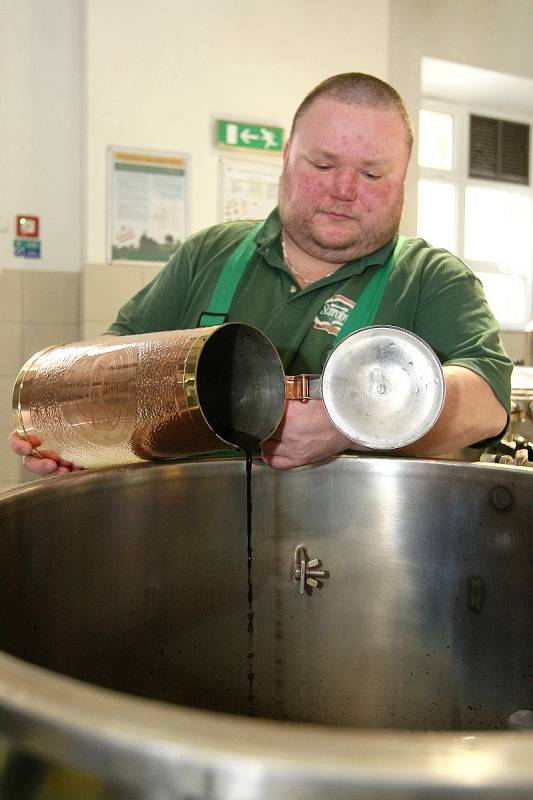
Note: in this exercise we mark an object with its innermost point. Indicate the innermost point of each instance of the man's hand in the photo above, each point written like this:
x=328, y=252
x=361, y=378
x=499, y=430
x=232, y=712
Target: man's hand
x=305, y=435
x=471, y=413
x=45, y=463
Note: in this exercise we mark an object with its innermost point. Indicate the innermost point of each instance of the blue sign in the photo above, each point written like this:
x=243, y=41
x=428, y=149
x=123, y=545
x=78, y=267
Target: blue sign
x=27, y=249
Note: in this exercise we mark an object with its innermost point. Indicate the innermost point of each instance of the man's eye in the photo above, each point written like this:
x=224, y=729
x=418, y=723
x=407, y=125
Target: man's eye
x=372, y=176
x=323, y=167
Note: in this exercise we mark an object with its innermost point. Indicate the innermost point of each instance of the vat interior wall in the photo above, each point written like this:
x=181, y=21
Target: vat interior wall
x=418, y=626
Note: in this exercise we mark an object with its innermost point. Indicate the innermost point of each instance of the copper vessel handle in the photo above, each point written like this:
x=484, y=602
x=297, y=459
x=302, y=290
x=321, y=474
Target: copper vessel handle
x=303, y=387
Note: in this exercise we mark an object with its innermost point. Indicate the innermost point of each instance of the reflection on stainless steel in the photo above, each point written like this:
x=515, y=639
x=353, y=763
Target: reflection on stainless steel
x=394, y=680
x=521, y=720
x=157, y=395
x=383, y=387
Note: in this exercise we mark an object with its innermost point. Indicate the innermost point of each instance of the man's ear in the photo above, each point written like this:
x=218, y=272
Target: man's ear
x=286, y=148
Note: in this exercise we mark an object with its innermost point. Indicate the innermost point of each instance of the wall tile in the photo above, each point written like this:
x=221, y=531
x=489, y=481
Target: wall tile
x=10, y=466
x=6, y=417
x=51, y=296
x=92, y=329
x=44, y=334
x=11, y=350
x=149, y=272
x=106, y=288
x=11, y=295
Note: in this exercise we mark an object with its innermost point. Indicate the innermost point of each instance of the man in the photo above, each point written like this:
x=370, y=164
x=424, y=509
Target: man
x=340, y=203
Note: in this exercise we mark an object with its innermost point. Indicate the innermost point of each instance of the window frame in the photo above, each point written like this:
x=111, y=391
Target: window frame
x=458, y=175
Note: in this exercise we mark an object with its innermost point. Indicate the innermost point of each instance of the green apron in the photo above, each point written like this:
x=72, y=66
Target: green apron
x=360, y=316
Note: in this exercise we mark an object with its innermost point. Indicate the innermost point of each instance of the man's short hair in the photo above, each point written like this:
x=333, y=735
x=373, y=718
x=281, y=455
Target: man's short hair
x=357, y=88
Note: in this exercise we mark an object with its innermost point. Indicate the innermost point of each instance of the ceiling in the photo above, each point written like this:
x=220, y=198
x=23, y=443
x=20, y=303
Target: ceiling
x=473, y=86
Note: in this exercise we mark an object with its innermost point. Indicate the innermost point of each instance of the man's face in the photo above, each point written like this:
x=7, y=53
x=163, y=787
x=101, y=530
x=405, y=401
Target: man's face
x=341, y=191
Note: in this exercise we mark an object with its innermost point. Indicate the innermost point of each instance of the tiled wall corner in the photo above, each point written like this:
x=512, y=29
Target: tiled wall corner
x=11, y=295
x=104, y=289
x=51, y=297
x=43, y=308
x=37, y=309
x=11, y=357
x=10, y=466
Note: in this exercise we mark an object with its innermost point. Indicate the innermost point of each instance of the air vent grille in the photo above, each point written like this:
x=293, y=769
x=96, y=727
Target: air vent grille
x=499, y=150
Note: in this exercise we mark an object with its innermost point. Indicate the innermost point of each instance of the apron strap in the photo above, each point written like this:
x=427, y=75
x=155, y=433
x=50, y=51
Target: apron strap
x=362, y=315
x=217, y=310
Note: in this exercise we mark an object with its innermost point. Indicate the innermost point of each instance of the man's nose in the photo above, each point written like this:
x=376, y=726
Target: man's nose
x=345, y=184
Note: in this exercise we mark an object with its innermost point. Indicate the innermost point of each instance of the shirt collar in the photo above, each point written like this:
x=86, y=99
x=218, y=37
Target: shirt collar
x=269, y=235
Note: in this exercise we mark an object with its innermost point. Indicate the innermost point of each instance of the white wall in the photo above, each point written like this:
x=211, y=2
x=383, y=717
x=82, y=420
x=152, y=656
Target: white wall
x=41, y=120
x=491, y=34
x=160, y=72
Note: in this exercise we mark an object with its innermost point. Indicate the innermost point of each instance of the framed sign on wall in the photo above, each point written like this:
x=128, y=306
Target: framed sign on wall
x=148, y=197
x=247, y=189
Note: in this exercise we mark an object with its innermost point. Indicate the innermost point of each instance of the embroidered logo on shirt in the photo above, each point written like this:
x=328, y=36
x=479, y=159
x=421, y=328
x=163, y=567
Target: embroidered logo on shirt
x=333, y=314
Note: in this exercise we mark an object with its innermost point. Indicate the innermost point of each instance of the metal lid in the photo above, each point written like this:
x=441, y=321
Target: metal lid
x=383, y=387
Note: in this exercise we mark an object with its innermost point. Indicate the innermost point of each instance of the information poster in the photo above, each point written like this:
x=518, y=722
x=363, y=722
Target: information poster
x=148, y=198
x=247, y=189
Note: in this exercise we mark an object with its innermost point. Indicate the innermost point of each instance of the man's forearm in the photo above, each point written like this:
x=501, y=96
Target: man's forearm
x=471, y=413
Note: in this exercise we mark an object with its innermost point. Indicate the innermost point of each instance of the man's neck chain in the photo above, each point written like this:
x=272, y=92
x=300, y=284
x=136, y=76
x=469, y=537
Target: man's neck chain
x=302, y=279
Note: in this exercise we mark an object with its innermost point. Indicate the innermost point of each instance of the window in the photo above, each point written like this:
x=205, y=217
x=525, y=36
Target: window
x=473, y=201
x=497, y=228
x=436, y=139
x=498, y=149
x=437, y=212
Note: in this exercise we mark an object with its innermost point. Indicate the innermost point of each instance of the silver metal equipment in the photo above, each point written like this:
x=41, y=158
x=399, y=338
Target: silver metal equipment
x=384, y=387
x=397, y=673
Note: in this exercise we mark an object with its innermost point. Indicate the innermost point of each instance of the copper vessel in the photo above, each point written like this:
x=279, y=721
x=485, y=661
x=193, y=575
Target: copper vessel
x=152, y=396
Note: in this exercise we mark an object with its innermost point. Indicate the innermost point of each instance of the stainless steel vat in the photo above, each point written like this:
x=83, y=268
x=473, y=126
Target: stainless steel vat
x=123, y=603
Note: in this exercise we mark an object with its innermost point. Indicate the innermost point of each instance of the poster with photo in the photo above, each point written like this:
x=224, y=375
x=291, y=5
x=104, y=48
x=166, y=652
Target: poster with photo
x=247, y=189
x=148, y=204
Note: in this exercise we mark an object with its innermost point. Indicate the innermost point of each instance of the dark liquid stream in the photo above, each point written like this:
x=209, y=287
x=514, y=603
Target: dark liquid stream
x=248, y=444
x=251, y=612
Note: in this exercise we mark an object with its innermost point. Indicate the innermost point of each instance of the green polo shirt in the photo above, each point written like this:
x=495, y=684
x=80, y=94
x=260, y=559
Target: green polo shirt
x=430, y=292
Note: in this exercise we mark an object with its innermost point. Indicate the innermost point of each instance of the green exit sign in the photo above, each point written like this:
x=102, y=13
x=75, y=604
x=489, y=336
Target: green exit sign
x=246, y=136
